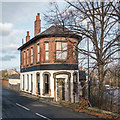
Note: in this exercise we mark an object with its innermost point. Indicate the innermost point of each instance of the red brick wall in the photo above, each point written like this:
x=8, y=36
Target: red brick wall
x=52, y=52
x=5, y=83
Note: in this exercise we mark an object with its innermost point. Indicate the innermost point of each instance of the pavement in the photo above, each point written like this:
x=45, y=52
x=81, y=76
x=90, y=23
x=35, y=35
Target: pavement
x=19, y=105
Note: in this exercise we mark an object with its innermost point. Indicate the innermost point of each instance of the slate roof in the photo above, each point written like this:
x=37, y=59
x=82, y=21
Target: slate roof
x=57, y=29
x=53, y=31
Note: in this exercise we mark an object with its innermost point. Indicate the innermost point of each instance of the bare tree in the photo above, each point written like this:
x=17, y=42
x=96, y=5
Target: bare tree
x=96, y=21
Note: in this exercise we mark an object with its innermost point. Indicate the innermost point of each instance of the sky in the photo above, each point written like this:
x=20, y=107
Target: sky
x=17, y=18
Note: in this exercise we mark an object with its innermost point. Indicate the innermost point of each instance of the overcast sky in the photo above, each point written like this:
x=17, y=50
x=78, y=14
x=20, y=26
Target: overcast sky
x=17, y=18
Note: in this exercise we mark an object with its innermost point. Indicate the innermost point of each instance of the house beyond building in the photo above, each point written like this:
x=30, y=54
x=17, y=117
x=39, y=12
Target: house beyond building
x=49, y=63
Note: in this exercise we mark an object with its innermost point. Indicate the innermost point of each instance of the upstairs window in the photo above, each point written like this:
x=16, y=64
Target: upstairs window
x=74, y=51
x=24, y=58
x=61, y=50
x=27, y=56
x=31, y=55
x=38, y=52
x=46, y=51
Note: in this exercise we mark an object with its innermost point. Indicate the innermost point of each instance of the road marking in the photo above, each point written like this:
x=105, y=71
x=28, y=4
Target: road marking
x=42, y=116
x=22, y=106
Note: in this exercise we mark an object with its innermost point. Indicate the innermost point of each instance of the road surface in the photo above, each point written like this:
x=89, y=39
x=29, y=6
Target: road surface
x=17, y=105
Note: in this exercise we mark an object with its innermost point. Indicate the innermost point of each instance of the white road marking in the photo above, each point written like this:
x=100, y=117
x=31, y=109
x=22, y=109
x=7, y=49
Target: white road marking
x=22, y=106
x=42, y=116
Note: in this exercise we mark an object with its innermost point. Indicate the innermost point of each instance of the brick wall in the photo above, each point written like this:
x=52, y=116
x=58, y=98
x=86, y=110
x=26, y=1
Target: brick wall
x=5, y=83
x=52, y=52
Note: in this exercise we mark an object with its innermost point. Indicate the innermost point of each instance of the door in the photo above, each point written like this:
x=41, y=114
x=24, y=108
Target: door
x=60, y=89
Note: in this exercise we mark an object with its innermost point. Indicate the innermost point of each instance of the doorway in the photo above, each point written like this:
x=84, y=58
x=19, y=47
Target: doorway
x=60, y=89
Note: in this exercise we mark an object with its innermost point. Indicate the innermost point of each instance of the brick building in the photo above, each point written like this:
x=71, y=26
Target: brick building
x=49, y=63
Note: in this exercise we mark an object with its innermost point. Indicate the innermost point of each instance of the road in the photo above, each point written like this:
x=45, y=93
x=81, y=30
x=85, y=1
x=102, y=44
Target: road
x=17, y=105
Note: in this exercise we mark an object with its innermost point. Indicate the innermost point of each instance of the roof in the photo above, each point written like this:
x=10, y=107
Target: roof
x=13, y=76
x=11, y=71
x=57, y=29
x=53, y=31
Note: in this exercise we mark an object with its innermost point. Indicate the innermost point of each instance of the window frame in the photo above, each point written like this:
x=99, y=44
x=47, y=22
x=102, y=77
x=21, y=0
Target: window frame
x=46, y=51
x=27, y=82
x=24, y=58
x=31, y=57
x=23, y=82
x=27, y=56
x=49, y=91
x=75, y=83
x=62, y=51
x=47, y=84
x=31, y=82
x=74, y=51
x=38, y=52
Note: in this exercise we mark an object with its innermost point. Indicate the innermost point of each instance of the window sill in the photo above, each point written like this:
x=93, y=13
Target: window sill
x=37, y=62
x=46, y=61
x=47, y=94
x=61, y=61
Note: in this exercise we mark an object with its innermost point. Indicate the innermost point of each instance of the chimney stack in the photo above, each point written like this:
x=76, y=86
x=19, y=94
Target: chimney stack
x=27, y=37
x=37, y=25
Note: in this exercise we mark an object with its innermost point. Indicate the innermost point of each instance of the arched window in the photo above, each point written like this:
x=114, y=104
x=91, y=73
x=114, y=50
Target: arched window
x=27, y=82
x=23, y=82
x=46, y=76
x=46, y=84
x=38, y=83
x=31, y=82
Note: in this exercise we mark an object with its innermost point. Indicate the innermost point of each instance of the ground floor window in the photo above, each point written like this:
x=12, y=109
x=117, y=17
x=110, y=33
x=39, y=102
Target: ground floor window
x=75, y=85
x=31, y=82
x=23, y=82
x=38, y=83
x=27, y=82
x=46, y=76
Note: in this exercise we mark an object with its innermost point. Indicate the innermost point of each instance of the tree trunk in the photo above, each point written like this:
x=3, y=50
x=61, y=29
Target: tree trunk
x=101, y=79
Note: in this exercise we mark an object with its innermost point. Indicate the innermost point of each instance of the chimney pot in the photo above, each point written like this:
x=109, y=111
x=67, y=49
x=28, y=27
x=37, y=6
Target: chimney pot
x=27, y=33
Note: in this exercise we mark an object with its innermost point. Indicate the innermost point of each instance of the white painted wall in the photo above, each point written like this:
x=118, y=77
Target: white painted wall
x=14, y=81
x=51, y=82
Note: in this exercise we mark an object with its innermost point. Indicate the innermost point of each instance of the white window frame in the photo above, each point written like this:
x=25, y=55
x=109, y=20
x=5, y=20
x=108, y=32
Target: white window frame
x=38, y=52
x=61, y=53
